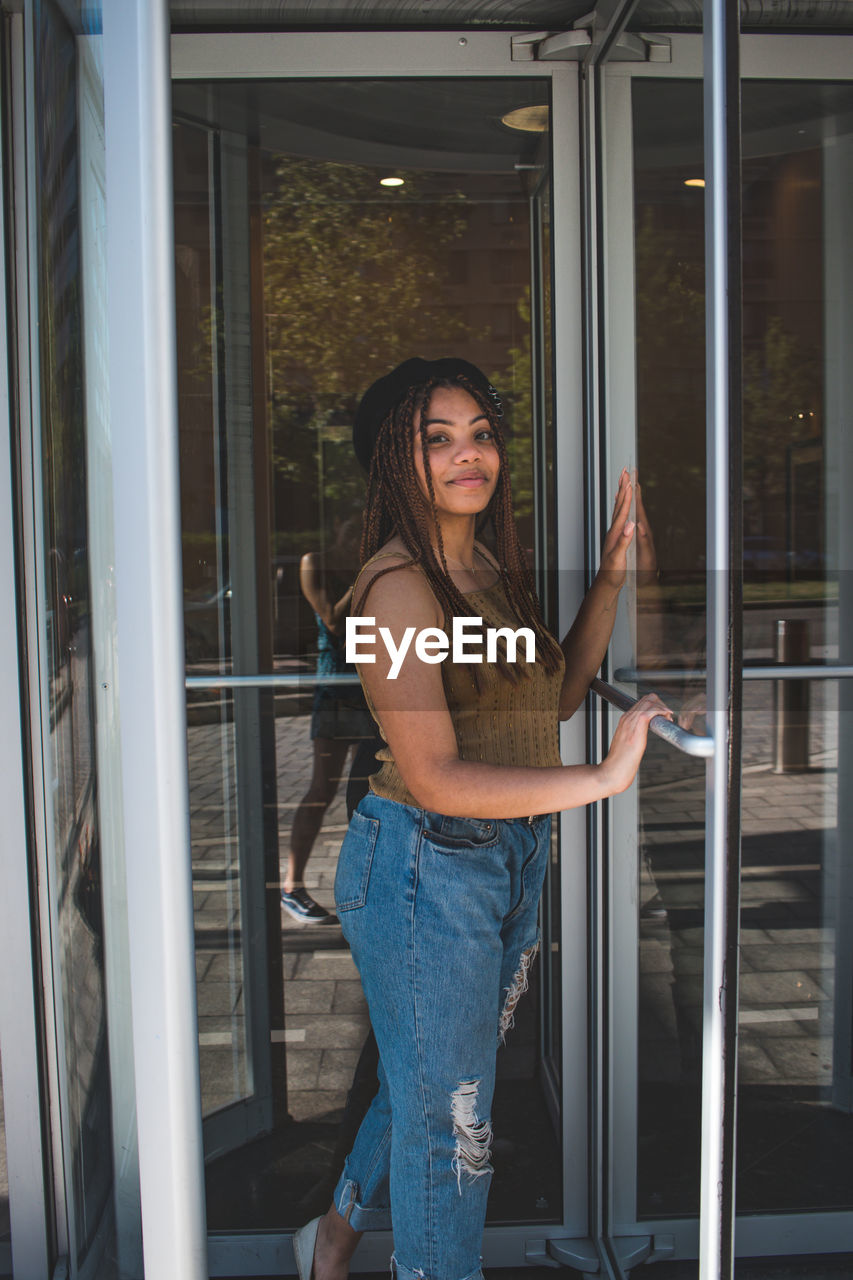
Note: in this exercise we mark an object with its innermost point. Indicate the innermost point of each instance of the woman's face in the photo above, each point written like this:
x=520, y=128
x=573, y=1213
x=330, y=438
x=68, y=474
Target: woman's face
x=463, y=457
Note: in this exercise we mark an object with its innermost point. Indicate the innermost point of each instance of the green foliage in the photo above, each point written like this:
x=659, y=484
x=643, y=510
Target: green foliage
x=670, y=355
x=782, y=386
x=781, y=396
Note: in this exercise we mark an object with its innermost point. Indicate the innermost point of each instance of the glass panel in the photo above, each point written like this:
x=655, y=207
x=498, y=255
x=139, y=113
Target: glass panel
x=207, y=598
x=794, y=1135
x=671, y=892
x=323, y=279
x=70, y=785
x=666, y=625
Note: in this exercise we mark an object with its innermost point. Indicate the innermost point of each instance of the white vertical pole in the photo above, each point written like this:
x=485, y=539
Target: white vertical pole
x=719, y=1026
x=93, y=268
x=565, y=241
x=143, y=411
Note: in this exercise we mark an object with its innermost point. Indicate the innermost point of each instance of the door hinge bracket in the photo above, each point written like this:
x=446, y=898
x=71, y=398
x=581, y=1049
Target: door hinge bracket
x=580, y=1254
x=536, y=1254
x=632, y=1250
x=573, y=46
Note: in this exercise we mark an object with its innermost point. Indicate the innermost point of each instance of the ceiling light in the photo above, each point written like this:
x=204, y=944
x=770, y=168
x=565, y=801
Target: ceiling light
x=694, y=182
x=391, y=182
x=527, y=119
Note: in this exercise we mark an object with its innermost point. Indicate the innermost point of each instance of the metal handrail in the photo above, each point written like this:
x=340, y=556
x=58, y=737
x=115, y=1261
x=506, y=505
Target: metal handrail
x=778, y=671
x=691, y=744
x=628, y=675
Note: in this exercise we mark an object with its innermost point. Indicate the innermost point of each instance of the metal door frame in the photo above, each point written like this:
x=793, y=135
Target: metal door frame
x=467, y=54
x=42, y=1186
x=251, y=1115
x=21, y=1014
x=767, y=57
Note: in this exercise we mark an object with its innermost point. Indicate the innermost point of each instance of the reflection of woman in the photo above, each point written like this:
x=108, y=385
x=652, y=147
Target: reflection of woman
x=440, y=873
x=339, y=717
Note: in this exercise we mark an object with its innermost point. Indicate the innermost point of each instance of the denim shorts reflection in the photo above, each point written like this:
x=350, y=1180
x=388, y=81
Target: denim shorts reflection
x=441, y=915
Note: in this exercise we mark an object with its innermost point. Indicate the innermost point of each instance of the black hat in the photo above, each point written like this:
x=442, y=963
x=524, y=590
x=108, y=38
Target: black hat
x=379, y=399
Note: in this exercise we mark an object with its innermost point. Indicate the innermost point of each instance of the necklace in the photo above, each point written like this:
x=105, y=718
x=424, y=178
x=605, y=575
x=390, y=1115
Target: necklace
x=457, y=564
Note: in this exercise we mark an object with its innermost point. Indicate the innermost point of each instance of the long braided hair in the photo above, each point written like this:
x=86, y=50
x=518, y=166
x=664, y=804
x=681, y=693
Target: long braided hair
x=396, y=505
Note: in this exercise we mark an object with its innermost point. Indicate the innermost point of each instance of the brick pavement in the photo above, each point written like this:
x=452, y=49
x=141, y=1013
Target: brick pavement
x=325, y=1014
x=787, y=963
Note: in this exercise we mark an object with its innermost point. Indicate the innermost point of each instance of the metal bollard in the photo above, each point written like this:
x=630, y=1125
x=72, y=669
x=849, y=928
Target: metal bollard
x=791, y=699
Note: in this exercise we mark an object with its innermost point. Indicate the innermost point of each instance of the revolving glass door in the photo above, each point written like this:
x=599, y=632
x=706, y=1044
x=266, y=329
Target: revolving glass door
x=326, y=230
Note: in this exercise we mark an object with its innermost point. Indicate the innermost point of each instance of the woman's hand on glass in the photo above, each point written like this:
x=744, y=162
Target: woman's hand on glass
x=647, y=561
x=614, y=554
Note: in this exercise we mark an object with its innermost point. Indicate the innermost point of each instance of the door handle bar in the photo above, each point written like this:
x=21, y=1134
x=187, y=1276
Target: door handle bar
x=691, y=744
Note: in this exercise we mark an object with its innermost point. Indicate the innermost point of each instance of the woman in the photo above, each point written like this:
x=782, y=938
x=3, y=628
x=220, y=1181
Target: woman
x=339, y=717
x=441, y=869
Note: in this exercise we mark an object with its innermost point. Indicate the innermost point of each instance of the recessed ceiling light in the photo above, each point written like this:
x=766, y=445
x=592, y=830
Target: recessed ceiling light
x=694, y=182
x=391, y=182
x=527, y=119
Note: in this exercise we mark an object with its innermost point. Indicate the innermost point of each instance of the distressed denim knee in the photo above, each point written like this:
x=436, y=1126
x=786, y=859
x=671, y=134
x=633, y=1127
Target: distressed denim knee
x=441, y=916
x=402, y=1272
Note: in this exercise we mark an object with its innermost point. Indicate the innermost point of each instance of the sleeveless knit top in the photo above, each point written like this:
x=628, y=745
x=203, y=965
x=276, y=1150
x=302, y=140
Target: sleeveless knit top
x=501, y=723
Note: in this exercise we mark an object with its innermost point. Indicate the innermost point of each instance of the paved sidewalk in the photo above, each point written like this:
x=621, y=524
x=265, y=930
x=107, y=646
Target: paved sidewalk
x=787, y=924
x=325, y=1014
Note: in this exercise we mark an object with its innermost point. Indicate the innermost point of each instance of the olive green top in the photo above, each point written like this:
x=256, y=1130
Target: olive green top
x=501, y=723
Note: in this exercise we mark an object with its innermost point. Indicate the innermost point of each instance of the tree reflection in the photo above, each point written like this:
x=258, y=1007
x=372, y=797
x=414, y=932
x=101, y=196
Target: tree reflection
x=355, y=280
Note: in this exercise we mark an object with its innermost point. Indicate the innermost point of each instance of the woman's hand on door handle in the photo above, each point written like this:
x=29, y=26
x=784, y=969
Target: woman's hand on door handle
x=622, y=761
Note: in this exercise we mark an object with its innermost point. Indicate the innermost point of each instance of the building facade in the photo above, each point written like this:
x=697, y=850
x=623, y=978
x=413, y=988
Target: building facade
x=220, y=223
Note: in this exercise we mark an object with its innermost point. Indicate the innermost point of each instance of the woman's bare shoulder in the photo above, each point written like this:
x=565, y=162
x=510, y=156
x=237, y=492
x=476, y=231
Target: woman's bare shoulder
x=391, y=574
x=395, y=552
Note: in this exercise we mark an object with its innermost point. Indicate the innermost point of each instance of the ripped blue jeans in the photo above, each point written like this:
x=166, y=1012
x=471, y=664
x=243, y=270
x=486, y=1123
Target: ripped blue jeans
x=441, y=915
